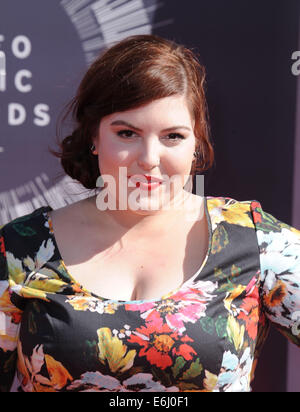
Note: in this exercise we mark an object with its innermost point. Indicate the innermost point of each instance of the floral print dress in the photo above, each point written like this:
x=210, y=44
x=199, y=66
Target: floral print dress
x=205, y=336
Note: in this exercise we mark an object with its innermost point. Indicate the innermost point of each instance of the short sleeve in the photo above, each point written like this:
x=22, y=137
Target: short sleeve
x=9, y=324
x=279, y=248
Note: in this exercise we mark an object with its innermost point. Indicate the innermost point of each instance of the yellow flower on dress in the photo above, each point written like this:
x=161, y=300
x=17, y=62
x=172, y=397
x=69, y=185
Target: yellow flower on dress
x=81, y=303
x=40, y=280
x=88, y=302
x=235, y=332
x=232, y=212
x=8, y=322
x=113, y=351
x=15, y=269
x=210, y=381
x=230, y=296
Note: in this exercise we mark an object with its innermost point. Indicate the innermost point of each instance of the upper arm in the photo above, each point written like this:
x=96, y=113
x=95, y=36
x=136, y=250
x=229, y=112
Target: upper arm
x=9, y=324
x=279, y=247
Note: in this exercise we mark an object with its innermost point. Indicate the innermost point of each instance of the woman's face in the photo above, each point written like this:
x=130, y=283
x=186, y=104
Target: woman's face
x=138, y=141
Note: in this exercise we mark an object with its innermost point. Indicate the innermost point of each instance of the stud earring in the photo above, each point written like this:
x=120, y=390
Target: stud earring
x=93, y=148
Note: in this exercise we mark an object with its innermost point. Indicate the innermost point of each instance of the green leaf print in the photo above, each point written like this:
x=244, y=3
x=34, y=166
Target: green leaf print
x=179, y=365
x=90, y=351
x=218, y=273
x=235, y=271
x=221, y=327
x=220, y=239
x=269, y=223
x=208, y=325
x=229, y=285
x=63, y=273
x=24, y=218
x=188, y=387
x=23, y=230
x=194, y=370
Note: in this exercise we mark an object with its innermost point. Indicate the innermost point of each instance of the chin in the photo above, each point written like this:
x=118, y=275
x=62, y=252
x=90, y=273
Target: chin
x=146, y=210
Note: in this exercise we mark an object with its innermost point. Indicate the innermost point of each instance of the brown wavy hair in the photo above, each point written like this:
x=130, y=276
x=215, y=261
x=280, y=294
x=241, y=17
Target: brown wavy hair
x=129, y=74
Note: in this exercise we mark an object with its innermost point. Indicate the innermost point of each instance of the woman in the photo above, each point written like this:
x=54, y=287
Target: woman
x=174, y=291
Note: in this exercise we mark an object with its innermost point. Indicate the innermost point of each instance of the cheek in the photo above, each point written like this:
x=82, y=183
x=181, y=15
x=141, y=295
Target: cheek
x=180, y=163
x=111, y=157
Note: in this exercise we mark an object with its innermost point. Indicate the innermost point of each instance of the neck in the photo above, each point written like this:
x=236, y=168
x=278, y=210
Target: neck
x=147, y=223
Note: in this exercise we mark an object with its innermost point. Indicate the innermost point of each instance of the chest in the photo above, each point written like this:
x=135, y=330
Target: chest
x=134, y=274
x=137, y=269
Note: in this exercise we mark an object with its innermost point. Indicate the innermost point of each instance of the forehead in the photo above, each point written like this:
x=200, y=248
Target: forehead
x=168, y=111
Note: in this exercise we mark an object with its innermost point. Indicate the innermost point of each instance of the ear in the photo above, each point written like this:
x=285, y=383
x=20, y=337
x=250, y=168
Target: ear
x=95, y=143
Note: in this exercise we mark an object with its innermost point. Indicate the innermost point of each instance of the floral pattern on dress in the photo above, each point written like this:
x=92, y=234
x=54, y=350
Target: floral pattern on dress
x=205, y=336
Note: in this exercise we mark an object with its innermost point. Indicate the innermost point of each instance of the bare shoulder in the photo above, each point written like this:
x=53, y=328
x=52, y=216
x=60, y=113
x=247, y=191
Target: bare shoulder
x=73, y=219
x=66, y=213
x=77, y=237
x=74, y=212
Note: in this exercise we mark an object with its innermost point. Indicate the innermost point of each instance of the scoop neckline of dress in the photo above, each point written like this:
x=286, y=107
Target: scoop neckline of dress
x=166, y=296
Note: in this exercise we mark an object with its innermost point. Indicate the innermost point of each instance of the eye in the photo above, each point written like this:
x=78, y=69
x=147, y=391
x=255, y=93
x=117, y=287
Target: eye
x=171, y=137
x=121, y=133
x=177, y=136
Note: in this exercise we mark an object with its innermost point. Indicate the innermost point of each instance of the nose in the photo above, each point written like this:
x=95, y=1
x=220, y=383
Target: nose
x=149, y=156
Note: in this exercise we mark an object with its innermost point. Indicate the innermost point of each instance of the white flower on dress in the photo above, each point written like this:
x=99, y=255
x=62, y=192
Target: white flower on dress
x=235, y=373
x=122, y=333
x=280, y=269
x=97, y=382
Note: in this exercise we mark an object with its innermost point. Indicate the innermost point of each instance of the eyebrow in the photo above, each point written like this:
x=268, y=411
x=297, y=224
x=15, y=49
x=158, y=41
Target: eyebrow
x=123, y=123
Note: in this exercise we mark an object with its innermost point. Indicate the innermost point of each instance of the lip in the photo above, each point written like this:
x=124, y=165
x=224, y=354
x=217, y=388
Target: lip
x=147, y=179
x=151, y=184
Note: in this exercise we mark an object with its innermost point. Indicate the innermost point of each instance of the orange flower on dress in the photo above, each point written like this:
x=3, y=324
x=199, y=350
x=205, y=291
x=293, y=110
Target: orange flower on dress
x=276, y=295
x=249, y=309
x=159, y=343
x=59, y=376
x=30, y=371
x=250, y=315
